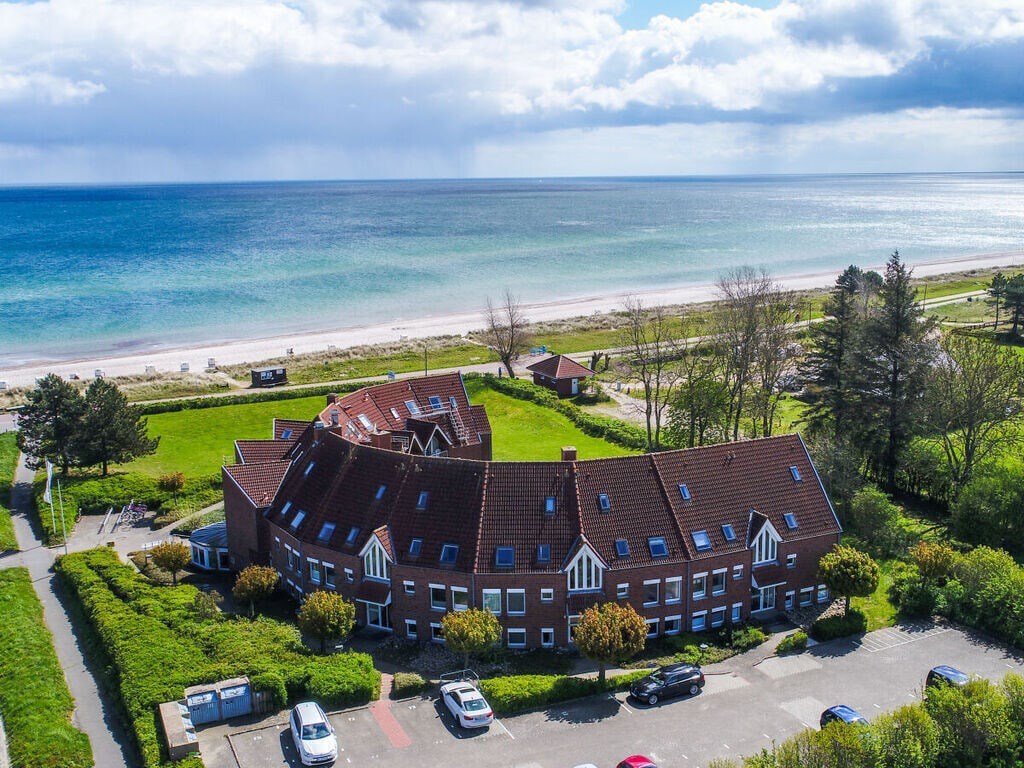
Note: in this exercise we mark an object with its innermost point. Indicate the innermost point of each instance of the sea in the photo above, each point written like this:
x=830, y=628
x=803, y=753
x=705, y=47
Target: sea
x=90, y=270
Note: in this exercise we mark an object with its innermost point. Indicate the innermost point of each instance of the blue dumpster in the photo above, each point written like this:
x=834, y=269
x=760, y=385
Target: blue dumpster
x=203, y=707
x=235, y=700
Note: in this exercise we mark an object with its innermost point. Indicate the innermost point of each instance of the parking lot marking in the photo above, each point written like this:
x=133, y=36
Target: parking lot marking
x=621, y=703
x=381, y=712
x=506, y=730
x=893, y=637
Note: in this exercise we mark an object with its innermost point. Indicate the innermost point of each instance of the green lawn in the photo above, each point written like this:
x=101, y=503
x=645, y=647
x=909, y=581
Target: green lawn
x=8, y=462
x=879, y=610
x=527, y=432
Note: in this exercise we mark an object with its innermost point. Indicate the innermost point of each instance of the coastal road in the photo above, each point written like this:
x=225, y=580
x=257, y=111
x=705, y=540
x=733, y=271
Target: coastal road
x=744, y=707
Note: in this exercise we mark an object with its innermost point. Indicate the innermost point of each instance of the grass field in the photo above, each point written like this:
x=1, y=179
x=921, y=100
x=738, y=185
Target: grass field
x=878, y=608
x=527, y=432
x=8, y=461
x=34, y=698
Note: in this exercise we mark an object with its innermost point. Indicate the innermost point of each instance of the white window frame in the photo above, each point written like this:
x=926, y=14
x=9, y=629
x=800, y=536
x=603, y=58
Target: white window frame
x=790, y=600
x=657, y=597
x=766, y=545
x=411, y=631
x=315, y=574
x=435, y=630
x=328, y=569
x=465, y=599
x=350, y=575
x=547, y=643
x=720, y=611
x=704, y=592
x=677, y=582
x=622, y=591
x=508, y=602
x=656, y=624
x=679, y=624
x=409, y=587
x=547, y=595
x=809, y=591
x=584, y=572
x=725, y=581
x=791, y=560
x=822, y=593
x=736, y=614
x=444, y=591
x=491, y=593
x=376, y=563
x=508, y=637
x=703, y=617
x=737, y=572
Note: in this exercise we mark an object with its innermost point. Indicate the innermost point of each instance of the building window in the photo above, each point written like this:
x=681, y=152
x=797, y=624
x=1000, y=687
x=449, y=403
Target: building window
x=349, y=575
x=796, y=474
x=699, y=622
x=673, y=589
x=381, y=490
x=505, y=557
x=718, y=582
x=435, y=402
x=765, y=547
x=791, y=561
x=410, y=587
x=737, y=572
x=573, y=623
x=422, y=500
x=410, y=629
x=652, y=592
x=375, y=563
x=622, y=548
x=684, y=491
x=737, y=613
x=718, y=617
x=822, y=593
x=673, y=625
x=515, y=601
x=652, y=627
x=701, y=540
x=584, y=573
x=547, y=595
x=415, y=547
x=353, y=534
x=728, y=532
x=413, y=407
x=438, y=597
x=622, y=591
x=547, y=637
x=297, y=521
x=293, y=558
x=789, y=600
x=449, y=554
x=309, y=468
x=436, y=633
x=492, y=601
x=314, y=571
x=700, y=586
x=517, y=638
x=460, y=598
x=328, y=575
x=806, y=596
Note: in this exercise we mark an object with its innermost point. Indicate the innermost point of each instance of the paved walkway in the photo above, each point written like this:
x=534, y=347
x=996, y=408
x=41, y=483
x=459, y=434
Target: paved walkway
x=95, y=713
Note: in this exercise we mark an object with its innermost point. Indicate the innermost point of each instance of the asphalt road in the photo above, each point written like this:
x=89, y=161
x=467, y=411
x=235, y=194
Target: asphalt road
x=737, y=713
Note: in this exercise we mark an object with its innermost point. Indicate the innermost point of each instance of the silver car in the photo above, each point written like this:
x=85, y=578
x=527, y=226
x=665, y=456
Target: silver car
x=313, y=734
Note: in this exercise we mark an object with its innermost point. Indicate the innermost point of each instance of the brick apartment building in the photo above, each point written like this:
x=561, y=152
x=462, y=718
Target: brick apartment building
x=389, y=497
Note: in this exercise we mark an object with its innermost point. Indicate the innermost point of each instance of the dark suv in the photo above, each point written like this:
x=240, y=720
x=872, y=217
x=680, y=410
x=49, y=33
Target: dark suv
x=673, y=680
x=842, y=714
x=945, y=675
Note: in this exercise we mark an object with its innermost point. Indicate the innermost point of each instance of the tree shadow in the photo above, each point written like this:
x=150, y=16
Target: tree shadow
x=593, y=709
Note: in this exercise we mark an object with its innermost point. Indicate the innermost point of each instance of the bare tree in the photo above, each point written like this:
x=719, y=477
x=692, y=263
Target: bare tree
x=775, y=355
x=506, y=330
x=651, y=353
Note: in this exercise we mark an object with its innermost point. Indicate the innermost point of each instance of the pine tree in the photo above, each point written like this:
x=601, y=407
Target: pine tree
x=49, y=423
x=997, y=290
x=1015, y=303
x=112, y=431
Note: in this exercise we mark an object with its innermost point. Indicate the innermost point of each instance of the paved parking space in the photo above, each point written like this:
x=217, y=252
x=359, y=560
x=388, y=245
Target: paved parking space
x=904, y=633
x=736, y=714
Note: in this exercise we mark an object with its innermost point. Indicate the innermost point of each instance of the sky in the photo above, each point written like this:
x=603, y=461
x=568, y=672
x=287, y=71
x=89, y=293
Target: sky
x=196, y=90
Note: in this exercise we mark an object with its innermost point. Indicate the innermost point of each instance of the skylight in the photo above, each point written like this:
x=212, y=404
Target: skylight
x=449, y=554
x=728, y=532
x=504, y=557
x=413, y=408
x=543, y=553
x=299, y=517
x=454, y=403
x=326, y=531
x=421, y=502
x=435, y=402
x=549, y=505
x=604, y=502
x=353, y=534
x=285, y=508
x=286, y=434
x=658, y=546
x=394, y=412
x=684, y=491
x=365, y=421
x=622, y=548
x=795, y=473
x=790, y=519
x=309, y=468
x=701, y=540
x=380, y=492
x=415, y=547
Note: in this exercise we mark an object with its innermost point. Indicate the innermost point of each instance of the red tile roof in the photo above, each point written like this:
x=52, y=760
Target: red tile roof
x=560, y=367
x=294, y=427
x=260, y=482
x=371, y=591
x=766, y=575
x=259, y=451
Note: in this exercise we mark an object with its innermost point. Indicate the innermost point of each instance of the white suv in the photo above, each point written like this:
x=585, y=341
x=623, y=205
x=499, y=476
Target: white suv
x=313, y=734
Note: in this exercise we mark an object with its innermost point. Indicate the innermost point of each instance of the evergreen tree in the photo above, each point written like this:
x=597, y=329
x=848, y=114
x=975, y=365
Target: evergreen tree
x=111, y=431
x=997, y=290
x=1015, y=303
x=49, y=423
x=892, y=369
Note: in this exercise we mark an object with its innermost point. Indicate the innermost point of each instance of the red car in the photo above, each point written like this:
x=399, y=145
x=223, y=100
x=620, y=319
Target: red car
x=637, y=761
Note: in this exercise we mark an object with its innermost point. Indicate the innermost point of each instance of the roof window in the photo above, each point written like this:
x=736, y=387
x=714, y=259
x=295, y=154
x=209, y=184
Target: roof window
x=505, y=557
x=795, y=473
x=622, y=548
x=299, y=517
x=701, y=540
x=365, y=420
x=415, y=547
x=728, y=532
x=543, y=553
x=395, y=414
x=549, y=505
x=285, y=508
x=421, y=502
x=436, y=403
x=326, y=531
x=309, y=468
x=286, y=434
x=684, y=491
x=449, y=554
x=454, y=403
x=658, y=546
x=604, y=502
x=413, y=408
x=353, y=534
x=380, y=492
x=790, y=519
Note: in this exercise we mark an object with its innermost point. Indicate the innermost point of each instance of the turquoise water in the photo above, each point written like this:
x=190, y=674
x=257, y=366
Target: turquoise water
x=85, y=270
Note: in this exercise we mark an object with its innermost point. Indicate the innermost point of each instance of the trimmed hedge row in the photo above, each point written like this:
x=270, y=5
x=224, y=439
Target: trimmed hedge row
x=853, y=622
x=268, y=396
x=606, y=427
x=34, y=698
x=508, y=695
x=8, y=462
x=408, y=684
x=157, y=647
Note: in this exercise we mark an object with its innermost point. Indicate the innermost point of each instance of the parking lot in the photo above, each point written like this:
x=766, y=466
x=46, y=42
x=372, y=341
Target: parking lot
x=738, y=712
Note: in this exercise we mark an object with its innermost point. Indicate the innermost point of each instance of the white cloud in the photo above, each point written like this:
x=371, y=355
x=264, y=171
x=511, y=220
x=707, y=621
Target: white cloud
x=46, y=88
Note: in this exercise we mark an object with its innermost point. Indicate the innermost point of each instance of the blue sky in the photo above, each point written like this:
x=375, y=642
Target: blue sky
x=178, y=90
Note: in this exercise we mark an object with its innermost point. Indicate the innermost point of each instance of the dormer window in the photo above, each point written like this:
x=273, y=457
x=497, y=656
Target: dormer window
x=728, y=532
x=603, y=502
x=505, y=557
x=299, y=517
x=449, y=554
x=415, y=547
x=795, y=473
x=375, y=559
x=326, y=531
x=421, y=502
x=381, y=490
x=584, y=572
x=701, y=540
x=765, y=546
x=394, y=413
x=286, y=434
x=543, y=553
x=684, y=491
x=353, y=534
x=790, y=519
x=622, y=548
x=414, y=409
x=549, y=505
x=657, y=546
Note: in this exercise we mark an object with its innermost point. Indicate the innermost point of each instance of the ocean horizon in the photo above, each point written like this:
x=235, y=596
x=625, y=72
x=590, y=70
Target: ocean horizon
x=100, y=269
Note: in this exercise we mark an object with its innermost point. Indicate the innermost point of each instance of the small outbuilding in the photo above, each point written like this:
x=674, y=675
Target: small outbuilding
x=560, y=373
x=210, y=547
x=269, y=377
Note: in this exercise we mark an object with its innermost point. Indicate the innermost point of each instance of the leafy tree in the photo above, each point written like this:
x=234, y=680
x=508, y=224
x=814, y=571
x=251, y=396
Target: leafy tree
x=171, y=556
x=934, y=561
x=973, y=391
x=990, y=510
x=171, y=483
x=892, y=366
x=609, y=633
x=849, y=572
x=506, y=330
x=49, y=422
x=697, y=413
x=111, y=431
x=255, y=584
x=877, y=520
x=470, y=631
x=906, y=738
x=997, y=291
x=327, y=616
x=973, y=725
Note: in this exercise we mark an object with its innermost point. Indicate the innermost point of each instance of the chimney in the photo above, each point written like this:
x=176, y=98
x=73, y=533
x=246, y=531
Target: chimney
x=335, y=416
x=381, y=440
x=332, y=398
x=569, y=453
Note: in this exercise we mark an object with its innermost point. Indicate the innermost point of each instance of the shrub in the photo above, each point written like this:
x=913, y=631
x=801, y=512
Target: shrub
x=745, y=638
x=792, y=643
x=255, y=584
x=853, y=622
x=343, y=679
x=273, y=682
x=173, y=556
x=197, y=403
x=849, y=572
x=408, y=684
x=514, y=693
x=973, y=724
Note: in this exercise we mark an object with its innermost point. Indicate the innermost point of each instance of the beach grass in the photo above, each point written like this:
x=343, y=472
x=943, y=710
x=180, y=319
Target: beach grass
x=8, y=462
x=524, y=431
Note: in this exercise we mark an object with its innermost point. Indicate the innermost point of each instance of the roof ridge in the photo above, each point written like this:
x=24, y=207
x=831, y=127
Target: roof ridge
x=671, y=507
x=480, y=521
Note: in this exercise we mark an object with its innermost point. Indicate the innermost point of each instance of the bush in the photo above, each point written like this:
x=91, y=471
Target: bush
x=852, y=623
x=197, y=403
x=792, y=643
x=274, y=683
x=344, y=679
x=745, y=638
x=514, y=693
x=408, y=684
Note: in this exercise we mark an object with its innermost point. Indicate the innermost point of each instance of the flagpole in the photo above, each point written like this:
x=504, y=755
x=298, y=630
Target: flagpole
x=63, y=528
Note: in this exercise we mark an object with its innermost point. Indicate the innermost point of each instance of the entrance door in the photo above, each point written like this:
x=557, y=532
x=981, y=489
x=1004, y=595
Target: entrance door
x=575, y=386
x=762, y=599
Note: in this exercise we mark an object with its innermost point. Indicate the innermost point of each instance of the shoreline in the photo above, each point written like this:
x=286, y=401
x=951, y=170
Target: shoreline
x=256, y=350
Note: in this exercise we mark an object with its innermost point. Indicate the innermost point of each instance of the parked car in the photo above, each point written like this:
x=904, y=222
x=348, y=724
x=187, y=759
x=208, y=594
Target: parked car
x=637, y=761
x=945, y=675
x=467, y=704
x=313, y=734
x=673, y=680
x=842, y=714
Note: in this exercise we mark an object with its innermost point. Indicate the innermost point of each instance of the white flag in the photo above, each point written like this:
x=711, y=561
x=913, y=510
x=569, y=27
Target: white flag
x=49, y=480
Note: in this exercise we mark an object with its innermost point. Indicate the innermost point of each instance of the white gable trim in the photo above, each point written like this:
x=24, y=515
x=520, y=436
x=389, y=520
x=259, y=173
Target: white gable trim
x=374, y=541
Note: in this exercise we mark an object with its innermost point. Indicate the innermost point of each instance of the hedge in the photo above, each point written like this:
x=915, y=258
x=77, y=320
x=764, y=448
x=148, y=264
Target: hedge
x=514, y=693
x=196, y=403
x=8, y=462
x=792, y=643
x=34, y=698
x=854, y=622
x=156, y=647
x=408, y=684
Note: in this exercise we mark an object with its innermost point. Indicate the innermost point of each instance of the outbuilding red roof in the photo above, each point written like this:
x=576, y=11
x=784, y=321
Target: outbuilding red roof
x=560, y=367
x=259, y=482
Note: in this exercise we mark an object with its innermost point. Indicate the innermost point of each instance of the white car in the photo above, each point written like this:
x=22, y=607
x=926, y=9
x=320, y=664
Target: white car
x=467, y=704
x=313, y=734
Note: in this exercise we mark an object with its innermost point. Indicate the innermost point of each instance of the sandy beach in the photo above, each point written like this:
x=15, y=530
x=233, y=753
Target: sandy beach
x=255, y=350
